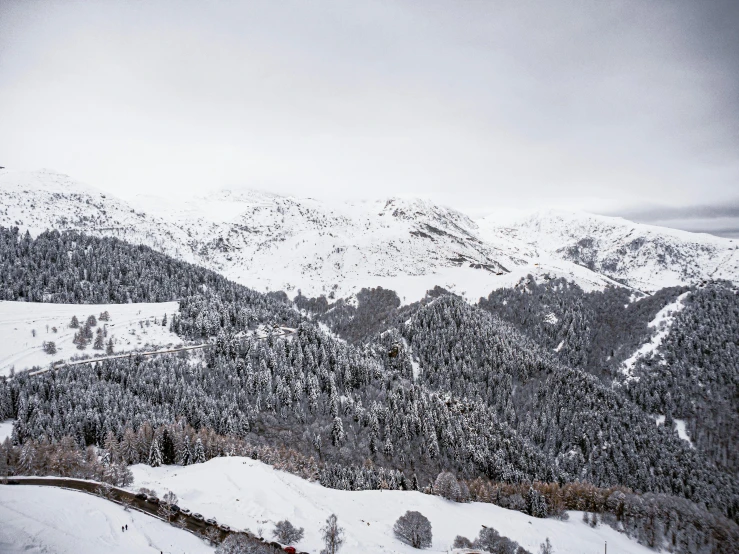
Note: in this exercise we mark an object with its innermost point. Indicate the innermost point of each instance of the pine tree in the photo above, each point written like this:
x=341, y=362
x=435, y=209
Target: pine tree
x=337, y=432
x=155, y=454
x=199, y=454
x=99, y=341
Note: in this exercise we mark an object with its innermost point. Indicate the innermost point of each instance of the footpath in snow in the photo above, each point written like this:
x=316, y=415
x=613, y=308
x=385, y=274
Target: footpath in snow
x=247, y=494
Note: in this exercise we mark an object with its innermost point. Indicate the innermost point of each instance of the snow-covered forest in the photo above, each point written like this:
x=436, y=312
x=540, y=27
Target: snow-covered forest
x=521, y=399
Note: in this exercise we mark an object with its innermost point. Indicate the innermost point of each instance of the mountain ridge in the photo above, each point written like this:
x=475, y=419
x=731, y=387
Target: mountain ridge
x=272, y=242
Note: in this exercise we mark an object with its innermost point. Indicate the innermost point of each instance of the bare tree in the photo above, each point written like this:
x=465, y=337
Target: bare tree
x=546, y=547
x=180, y=522
x=333, y=535
x=286, y=533
x=213, y=535
x=414, y=529
x=167, y=506
x=105, y=490
x=238, y=543
x=126, y=502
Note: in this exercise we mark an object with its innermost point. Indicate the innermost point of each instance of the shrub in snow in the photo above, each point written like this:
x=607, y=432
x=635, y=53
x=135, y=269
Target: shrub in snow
x=546, y=547
x=491, y=541
x=414, y=529
x=50, y=347
x=75, y=323
x=446, y=485
x=461, y=542
x=212, y=535
x=238, y=543
x=286, y=533
x=105, y=316
x=91, y=321
x=516, y=502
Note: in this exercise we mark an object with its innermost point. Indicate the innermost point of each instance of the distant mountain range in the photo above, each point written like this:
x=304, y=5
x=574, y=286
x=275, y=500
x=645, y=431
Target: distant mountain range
x=270, y=242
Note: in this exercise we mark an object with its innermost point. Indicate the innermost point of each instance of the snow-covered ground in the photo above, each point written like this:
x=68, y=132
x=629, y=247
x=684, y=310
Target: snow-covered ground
x=661, y=324
x=39, y=520
x=271, y=242
x=247, y=494
x=645, y=257
x=679, y=426
x=131, y=326
x=6, y=429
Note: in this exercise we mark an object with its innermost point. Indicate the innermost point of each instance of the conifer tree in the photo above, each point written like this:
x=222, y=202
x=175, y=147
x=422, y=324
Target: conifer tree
x=155, y=454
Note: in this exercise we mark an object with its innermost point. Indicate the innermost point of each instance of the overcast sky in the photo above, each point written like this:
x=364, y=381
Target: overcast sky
x=616, y=106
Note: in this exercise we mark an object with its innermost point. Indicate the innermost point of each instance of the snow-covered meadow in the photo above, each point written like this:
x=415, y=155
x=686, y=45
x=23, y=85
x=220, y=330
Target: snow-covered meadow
x=131, y=326
x=46, y=519
x=247, y=494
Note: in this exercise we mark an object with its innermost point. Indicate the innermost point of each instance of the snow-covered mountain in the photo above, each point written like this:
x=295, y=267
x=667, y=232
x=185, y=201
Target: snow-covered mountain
x=272, y=242
x=644, y=257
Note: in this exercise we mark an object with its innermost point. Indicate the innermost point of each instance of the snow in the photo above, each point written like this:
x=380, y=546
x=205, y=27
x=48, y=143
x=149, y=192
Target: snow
x=6, y=429
x=559, y=346
x=270, y=242
x=679, y=426
x=644, y=257
x=21, y=350
x=661, y=323
x=39, y=519
x=681, y=432
x=247, y=494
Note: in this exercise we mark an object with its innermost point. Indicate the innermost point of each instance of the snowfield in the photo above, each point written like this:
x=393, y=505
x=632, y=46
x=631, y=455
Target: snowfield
x=39, y=520
x=131, y=326
x=247, y=494
x=645, y=257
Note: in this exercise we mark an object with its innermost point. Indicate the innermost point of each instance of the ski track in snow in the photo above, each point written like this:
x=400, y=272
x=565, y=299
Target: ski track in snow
x=244, y=493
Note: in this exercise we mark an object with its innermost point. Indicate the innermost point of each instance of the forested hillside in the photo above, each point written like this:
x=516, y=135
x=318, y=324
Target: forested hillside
x=438, y=386
x=694, y=375
x=74, y=268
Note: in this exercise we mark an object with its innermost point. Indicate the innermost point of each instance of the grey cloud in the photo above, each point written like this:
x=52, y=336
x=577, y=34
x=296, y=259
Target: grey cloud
x=588, y=105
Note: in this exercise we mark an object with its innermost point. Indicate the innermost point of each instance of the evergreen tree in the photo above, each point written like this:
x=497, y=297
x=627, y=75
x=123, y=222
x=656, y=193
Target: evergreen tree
x=155, y=454
x=199, y=453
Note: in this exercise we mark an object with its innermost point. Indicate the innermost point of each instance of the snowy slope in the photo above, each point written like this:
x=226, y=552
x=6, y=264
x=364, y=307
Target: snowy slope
x=271, y=242
x=131, y=326
x=245, y=493
x=43, y=200
x=6, y=429
x=39, y=520
x=644, y=257
x=660, y=325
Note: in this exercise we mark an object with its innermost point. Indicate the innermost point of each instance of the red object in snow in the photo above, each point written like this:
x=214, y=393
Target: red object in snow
x=290, y=549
